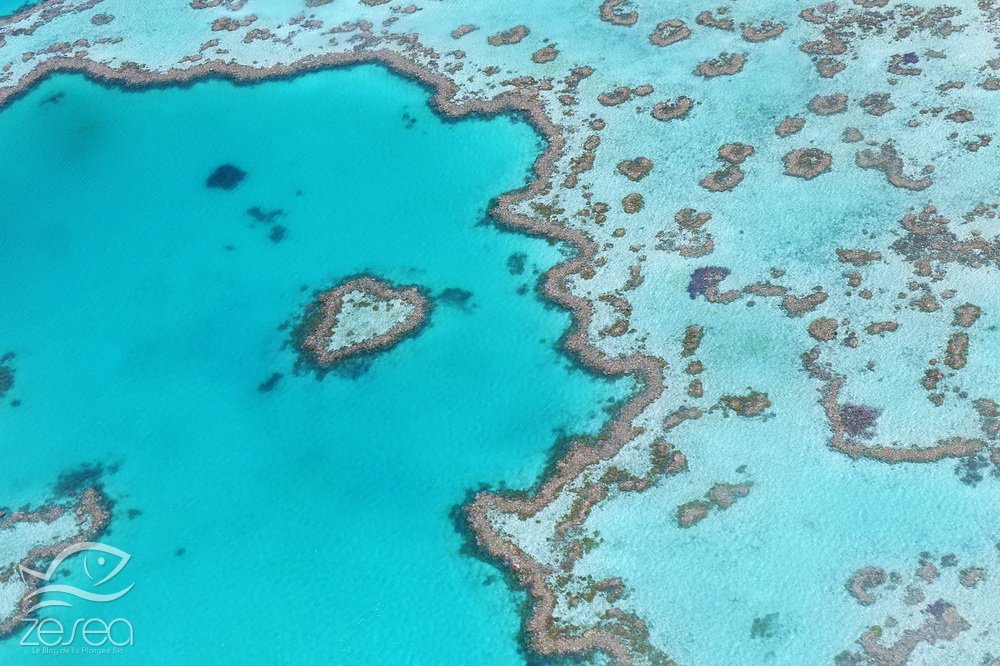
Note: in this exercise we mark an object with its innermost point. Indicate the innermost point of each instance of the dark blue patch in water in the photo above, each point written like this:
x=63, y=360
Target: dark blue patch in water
x=226, y=177
x=704, y=278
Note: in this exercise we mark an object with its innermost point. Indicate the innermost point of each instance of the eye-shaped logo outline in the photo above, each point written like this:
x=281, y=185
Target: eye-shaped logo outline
x=72, y=590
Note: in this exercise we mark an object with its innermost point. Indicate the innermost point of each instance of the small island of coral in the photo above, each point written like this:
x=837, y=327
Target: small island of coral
x=28, y=537
x=362, y=315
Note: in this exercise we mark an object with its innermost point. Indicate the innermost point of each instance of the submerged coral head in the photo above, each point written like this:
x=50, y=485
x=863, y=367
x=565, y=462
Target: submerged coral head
x=704, y=278
x=859, y=420
x=226, y=177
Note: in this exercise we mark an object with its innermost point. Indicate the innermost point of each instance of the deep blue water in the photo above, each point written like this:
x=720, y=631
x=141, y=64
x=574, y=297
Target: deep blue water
x=311, y=523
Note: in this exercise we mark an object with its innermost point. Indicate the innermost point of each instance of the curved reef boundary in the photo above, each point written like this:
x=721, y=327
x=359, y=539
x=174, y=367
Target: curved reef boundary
x=324, y=312
x=538, y=623
x=843, y=442
x=26, y=9
x=93, y=513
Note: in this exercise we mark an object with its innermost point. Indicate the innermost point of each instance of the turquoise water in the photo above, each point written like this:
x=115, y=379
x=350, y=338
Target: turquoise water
x=145, y=310
x=8, y=7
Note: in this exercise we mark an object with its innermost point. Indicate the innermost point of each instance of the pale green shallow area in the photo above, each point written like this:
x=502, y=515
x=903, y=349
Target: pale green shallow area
x=315, y=519
x=813, y=516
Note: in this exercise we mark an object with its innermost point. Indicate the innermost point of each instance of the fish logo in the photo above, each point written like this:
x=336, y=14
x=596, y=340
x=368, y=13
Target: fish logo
x=98, y=566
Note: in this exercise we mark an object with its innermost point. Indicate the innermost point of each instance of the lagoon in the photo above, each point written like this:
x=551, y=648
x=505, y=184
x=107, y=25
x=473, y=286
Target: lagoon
x=312, y=522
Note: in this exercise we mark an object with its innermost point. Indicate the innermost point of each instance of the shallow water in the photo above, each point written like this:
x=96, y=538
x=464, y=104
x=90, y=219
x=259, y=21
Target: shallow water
x=310, y=523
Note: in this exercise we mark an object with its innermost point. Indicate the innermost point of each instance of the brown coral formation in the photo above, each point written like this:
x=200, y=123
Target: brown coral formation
x=588, y=496
x=863, y=582
x=726, y=64
x=752, y=404
x=690, y=219
x=857, y=257
x=823, y=329
x=611, y=12
x=926, y=223
x=92, y=512
x=635, y=169
x=879, y=327
x=224, y=23
x=928, y=239
x=763, y=32
x=971, y=576
x=853, y=135
x=877, y=104
x=888, y=161
x=231, y=5
x=692, y=340
x=707, y=19
x=830, y=45
x=943, y=623
x=672, y=109
x=669, y=32
x=619, y=95
x=897, y=65
x=807, y=163
x=510, y=36
x=828, y=105
x=545, y=54
x=719, y=497
x=632, y=203
x=849, y=424
x=940, y=619
x=724, y=495
x=618, y=329
x=789, y=126
x=956, y=352
x=733, y=154
x=927, y=571
x=463, y=30
x=966, y=315
x=796, y=306
x=692, y=513
x=828, y=67
x=324, y=313
x=724, y=179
